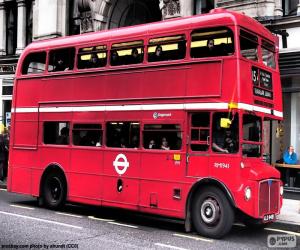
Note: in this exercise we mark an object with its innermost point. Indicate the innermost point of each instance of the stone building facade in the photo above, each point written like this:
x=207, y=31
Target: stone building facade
x=22, y=21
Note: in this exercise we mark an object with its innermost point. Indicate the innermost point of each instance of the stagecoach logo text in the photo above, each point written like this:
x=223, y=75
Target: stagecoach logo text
x=221, y=165
x=121, y=164
x=157, y=115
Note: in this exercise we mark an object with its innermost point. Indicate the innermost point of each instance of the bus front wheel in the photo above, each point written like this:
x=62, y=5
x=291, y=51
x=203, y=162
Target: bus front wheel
x=212, y=214
x=54, y=190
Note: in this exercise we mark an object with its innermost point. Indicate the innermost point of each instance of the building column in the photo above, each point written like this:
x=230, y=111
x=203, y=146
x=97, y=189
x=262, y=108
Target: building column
x=21, y=35
x=187, y=7
x=278, y=11
x=2, y=29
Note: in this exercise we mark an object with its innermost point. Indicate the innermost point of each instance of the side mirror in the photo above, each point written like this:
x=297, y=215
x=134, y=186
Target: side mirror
x=225, y=123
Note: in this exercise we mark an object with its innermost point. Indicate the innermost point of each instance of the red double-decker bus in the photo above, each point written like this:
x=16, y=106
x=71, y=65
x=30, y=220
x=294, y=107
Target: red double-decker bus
x=165, y=118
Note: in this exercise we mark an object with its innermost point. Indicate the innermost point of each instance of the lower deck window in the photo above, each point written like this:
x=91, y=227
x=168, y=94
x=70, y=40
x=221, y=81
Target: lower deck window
x=56, y=133
x=123, y=134
x=162, y=136
x=87, y=135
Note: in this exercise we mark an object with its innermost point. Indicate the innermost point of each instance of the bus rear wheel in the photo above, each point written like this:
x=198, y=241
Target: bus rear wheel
x=212, y=214
x=54, y=190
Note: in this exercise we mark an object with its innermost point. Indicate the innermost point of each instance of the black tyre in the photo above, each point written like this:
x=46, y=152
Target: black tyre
x=212, y=214
x=54, y=190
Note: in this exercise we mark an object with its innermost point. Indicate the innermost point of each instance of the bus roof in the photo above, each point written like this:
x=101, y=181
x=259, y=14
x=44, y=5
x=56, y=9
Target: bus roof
x=214, y=18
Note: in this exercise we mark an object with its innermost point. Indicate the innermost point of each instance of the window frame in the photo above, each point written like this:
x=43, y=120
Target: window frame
x=156, y=41
x=100, y=129
x=146, y=142
x=24, y=63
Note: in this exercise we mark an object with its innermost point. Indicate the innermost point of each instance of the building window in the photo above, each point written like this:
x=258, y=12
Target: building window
x=11, y=28
x=289, y=7
x=203, y=6
x=29, y=17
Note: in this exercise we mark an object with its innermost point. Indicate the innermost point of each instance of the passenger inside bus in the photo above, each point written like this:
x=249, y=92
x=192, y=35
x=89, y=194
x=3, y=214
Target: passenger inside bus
x=158, y=55
x=94, y=61
x=114, y=60
x=63, y=139
x=152, y=144
x=210, y=48
x=60, y=64
x=135, y=57
x=164, y=144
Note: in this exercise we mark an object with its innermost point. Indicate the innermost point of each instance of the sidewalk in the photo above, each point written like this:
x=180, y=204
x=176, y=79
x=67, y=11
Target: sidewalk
x=290, y=211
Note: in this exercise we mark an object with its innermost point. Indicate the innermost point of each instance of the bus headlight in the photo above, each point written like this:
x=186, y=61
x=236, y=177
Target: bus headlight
x=247, y=193
x=281, y=190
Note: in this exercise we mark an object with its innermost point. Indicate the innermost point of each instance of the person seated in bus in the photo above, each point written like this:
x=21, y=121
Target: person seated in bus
x=210, y=48
x=158, y=55
x=164, y=144
x=152, y=144
x=114, y=59
x=135, y=57
x=60, y=64
x=94, y=61
x=63, y=139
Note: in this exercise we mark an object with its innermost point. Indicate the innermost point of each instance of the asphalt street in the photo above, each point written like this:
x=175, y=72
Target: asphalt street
x=25, y=225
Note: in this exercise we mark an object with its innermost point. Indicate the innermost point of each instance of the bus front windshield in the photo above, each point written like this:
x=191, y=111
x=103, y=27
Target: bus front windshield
x=252, y=135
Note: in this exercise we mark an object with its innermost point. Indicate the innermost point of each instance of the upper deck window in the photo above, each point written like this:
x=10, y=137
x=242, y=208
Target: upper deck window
x=166, y=48
x=268, y=54
x=212, y=42
x=61, y=60
x=34, y=63
x=92, y=57
x=248, y=45
x=127, y=53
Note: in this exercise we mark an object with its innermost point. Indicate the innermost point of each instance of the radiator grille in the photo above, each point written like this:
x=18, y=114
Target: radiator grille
x=269, y=197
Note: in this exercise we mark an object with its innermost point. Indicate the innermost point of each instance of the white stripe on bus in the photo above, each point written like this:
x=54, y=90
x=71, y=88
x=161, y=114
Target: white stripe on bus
x=146, y=107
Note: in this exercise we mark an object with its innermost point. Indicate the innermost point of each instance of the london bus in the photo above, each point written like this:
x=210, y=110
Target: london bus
x=94, y=124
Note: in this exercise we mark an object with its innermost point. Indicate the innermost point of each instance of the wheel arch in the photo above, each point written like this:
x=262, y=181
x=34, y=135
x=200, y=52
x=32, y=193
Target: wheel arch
x=52, y=167
x=204, y=183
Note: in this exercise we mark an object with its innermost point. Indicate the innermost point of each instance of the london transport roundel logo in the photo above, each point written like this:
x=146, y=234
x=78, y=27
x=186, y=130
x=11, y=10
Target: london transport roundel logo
x=121, y=164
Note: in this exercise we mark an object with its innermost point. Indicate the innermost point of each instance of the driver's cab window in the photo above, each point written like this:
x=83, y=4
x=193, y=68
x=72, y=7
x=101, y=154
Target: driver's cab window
x=225, y=133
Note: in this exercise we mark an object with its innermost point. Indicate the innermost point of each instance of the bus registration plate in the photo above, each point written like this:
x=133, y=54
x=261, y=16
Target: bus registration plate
x=269, y=217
